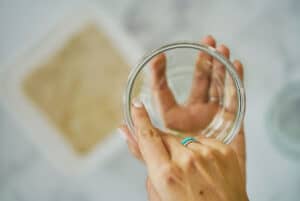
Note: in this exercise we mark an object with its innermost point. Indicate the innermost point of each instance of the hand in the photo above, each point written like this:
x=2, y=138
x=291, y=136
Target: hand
x=200, y=107
x=205, y=96
x=206, y=171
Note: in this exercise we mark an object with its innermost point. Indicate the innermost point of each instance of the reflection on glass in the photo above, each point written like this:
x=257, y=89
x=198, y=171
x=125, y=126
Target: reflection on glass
x=188, y=89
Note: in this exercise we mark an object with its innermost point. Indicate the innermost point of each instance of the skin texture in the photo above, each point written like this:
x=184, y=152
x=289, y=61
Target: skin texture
x=208, y=170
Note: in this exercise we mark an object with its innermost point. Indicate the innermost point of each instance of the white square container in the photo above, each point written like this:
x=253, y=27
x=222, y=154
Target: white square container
x=36, y=126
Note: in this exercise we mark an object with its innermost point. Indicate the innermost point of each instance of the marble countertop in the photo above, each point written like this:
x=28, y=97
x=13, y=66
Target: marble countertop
x=263, y=34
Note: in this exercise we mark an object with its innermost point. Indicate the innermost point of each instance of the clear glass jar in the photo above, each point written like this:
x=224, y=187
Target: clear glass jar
x=188, y=89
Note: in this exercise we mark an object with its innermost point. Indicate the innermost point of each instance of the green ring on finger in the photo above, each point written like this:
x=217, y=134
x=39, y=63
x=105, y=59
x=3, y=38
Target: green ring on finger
x=187, y=140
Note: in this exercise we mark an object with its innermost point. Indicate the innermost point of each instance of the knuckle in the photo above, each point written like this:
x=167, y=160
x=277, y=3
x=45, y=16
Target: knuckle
x=201, y=75
x=169, y=174
x=224, y=48
x=166, y=170
x=207, y=153
x=160, y=84
x=190, y=161
x=228, y=152
x=148, y=132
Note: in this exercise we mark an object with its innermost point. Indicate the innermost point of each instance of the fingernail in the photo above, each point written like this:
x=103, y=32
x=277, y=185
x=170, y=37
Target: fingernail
x=123, y=134
x=137, y=103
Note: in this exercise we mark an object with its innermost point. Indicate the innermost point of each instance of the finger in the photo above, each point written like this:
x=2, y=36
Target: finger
x=131, y=142
x=160, y=88
x=238, y=144
x=149, y=140
x=175, y=148
x=225, y=155
x=205, y=156
x=218, y=76
x=216, y=145
x=195, y=145
x=202, y=74
x=237, y=147
x=183, y=156
x=231, y=95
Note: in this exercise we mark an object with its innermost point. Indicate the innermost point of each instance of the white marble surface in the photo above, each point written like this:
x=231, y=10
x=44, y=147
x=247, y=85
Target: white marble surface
x=263, y=34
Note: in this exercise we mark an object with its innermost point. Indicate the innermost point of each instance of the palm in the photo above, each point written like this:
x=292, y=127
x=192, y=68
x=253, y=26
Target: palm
x=190, y=118
x=203, y=102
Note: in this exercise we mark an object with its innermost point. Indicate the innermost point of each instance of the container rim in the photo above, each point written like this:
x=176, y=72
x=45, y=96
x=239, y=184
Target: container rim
x=196, y=46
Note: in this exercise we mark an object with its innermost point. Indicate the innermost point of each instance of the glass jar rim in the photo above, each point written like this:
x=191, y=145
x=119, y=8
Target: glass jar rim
x=196, y=46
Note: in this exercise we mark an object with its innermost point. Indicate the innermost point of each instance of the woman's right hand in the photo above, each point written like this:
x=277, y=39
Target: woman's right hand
x=164, y=97
x=204, y=171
